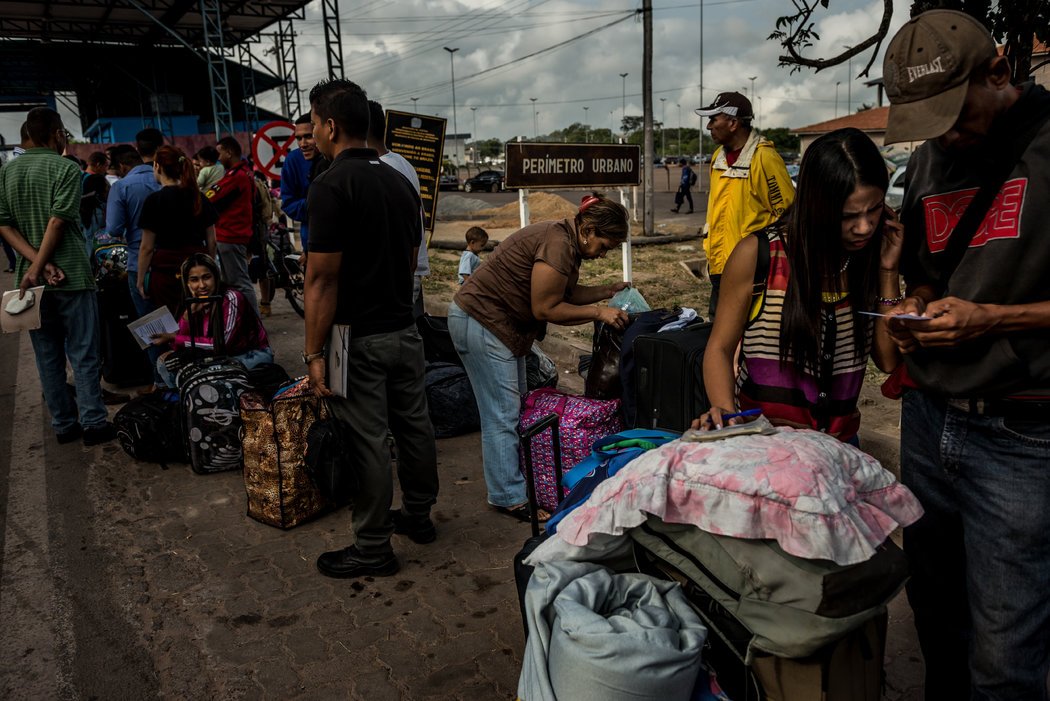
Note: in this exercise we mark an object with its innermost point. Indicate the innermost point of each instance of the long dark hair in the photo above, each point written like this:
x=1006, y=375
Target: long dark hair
x=216, y=321
x=174, y=164
x=832, y=168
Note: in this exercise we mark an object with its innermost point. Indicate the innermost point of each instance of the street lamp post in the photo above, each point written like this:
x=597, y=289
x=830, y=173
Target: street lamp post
x=623, y=110
x=752, y=79
x=535, y=124
x=474, y=112
x=849, y=82
x=455, y=127
x=414, y=101
x=837, y=84
x=586, y=129
x=679, y=106
x=663, y=125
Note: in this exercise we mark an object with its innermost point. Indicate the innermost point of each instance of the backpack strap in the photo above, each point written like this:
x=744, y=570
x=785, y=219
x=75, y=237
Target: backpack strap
x=758, y=286
x=995, y=177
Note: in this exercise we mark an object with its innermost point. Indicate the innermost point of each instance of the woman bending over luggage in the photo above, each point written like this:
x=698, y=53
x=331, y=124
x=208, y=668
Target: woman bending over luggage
x=804, y=343
x=530, y=280
x=176, y=223
x=228, y=328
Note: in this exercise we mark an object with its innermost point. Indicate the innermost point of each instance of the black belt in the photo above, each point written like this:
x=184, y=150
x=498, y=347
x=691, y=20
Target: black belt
x=1006, y=408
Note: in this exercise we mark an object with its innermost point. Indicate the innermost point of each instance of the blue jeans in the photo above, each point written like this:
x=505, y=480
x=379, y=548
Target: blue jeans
x=143, y=307
x=980, y=556
x=69, y=329
x=498, y=379
x=249, y=360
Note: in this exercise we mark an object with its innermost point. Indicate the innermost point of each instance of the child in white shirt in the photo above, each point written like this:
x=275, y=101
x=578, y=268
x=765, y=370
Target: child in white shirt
x=477, y=238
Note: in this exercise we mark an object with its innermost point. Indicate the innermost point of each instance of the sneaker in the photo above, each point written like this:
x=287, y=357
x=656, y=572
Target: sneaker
x=70, y=434
x=99, y=434
x=351, y=562
x=420, y=531
x=264, y=309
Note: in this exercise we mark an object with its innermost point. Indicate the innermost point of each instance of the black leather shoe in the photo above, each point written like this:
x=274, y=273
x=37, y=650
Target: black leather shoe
x=69, y=435
x=99, y=434
x=351, y=562
x=420, y=531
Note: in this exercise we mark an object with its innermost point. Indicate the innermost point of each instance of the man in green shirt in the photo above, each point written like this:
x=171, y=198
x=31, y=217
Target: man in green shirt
x=39, y=217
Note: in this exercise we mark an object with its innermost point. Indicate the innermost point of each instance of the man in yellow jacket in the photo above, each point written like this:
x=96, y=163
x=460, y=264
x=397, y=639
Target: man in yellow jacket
x=750, y=186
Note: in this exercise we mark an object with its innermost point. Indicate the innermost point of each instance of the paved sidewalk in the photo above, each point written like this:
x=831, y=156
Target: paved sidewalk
x=122, y=580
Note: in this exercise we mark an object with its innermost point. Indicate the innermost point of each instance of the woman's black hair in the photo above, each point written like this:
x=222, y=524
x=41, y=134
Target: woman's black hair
x=216, y=322
x=832, y=168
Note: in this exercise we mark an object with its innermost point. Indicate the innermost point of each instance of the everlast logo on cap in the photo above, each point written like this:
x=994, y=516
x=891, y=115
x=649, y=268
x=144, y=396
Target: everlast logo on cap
x=916, y=72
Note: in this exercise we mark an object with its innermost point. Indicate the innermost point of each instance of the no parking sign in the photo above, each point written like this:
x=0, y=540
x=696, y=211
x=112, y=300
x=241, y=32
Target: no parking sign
x=271, y=145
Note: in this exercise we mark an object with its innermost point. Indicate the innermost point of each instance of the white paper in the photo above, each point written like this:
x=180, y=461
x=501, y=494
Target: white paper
x=157, y=321
x=338, y=355
x=905, y=317
x=27, y=320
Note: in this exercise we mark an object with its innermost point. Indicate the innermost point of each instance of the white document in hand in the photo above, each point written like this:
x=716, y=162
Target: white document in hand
x=338, y=356
x=157, y=321
x=28, y=318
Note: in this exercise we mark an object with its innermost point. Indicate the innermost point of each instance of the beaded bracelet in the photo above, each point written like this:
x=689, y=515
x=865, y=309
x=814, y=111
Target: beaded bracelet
x=891, y=302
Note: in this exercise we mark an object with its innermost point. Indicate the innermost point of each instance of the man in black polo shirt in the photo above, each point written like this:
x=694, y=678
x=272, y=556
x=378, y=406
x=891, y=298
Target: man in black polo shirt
x=364, y=236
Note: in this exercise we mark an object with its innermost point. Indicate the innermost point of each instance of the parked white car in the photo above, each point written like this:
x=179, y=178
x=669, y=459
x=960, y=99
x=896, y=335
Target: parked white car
x=895, y=192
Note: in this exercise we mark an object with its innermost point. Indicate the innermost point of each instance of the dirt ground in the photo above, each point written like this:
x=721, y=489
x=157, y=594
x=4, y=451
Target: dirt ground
x=661, y=277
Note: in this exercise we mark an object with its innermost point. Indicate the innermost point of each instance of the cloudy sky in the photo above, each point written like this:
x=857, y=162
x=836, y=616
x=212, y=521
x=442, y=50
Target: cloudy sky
x=393, y=48
x=395, y=51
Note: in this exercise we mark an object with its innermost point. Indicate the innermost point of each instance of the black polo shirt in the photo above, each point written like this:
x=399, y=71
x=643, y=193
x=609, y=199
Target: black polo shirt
x=366, y=210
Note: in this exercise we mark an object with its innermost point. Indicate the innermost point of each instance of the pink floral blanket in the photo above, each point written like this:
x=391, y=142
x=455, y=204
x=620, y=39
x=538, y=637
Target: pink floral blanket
x=816, y=496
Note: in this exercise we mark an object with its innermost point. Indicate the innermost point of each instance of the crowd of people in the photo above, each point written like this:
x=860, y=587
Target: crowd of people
x=806, y=287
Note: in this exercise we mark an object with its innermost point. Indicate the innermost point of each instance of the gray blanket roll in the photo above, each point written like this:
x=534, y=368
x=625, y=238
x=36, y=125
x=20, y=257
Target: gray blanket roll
x=595, y=634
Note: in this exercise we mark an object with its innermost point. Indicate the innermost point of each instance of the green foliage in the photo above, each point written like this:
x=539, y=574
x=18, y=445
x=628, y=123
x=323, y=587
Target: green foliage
x=782, y=138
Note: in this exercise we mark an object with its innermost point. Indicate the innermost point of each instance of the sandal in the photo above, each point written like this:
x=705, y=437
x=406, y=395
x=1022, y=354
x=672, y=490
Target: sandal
x=522, y=512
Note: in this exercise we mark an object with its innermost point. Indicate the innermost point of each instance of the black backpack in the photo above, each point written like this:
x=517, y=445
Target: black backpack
x=149, y=428
x=692, y=178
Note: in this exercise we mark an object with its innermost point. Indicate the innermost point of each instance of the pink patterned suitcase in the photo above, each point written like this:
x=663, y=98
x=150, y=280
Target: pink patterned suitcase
x=581, y=421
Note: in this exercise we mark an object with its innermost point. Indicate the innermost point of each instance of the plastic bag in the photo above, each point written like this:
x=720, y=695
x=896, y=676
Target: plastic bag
x=630, y=300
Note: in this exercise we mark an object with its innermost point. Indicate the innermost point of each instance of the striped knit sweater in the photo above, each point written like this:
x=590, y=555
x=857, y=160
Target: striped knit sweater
x=824, y=398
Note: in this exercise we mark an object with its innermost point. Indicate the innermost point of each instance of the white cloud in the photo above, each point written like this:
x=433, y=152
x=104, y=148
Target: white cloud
x=403, y=58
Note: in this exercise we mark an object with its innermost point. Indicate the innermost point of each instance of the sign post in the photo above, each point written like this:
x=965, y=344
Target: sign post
x=547, y=166
x=420, y=139
x=271, y=144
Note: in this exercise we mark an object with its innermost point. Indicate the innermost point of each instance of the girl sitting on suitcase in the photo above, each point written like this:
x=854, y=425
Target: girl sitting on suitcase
x=228, y=328
x=804, y=342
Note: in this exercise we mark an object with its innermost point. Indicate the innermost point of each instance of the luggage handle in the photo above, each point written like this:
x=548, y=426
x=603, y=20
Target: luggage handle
x=536, y=394
x=550, y=421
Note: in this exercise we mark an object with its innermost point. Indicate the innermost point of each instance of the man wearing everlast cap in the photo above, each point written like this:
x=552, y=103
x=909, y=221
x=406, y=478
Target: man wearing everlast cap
x=750, y=186
x=975, y=444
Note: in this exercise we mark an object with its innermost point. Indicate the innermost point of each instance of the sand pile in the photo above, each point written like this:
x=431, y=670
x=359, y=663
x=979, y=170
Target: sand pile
x=453, y=206
x=543, y=206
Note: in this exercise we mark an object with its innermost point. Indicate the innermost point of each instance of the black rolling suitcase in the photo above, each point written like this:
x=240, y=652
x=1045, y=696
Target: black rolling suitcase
x=669, y=377
x=124, y=364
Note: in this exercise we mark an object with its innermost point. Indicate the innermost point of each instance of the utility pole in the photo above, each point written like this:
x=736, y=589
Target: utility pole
x=586, y=129
x=649, y=227
x=700, y=131
x=474, y=111
x=535, y=123
x=663, y=126
x=623, y=109
x=681, y=152
x=837, y=84
x=455, y=128
x=849, y=83
x=752, y=79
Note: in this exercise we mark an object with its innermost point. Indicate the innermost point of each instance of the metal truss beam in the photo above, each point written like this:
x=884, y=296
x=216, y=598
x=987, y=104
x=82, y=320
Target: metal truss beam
x=288, y=69
x=251, y=108
x=333, y=38
x=211, y=19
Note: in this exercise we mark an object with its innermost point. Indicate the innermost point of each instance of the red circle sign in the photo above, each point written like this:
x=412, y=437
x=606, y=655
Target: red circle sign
x=271, y=145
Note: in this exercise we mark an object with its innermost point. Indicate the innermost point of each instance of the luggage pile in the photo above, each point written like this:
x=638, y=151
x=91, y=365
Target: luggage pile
x=787, y=610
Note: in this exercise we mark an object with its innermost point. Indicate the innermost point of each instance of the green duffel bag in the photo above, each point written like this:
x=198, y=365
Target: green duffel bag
x=792, y=607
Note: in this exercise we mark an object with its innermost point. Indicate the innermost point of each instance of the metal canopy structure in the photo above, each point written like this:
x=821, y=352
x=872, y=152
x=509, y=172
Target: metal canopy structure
x=140, y=22
x=213, y=30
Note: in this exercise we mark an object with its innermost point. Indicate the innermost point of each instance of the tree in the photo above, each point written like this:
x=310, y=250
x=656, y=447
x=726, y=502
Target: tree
x=782, y=138
x=490, y=148
x=1015, y=22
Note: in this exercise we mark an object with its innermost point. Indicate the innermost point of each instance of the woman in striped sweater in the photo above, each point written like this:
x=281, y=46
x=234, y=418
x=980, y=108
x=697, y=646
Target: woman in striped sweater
x=804, y=344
